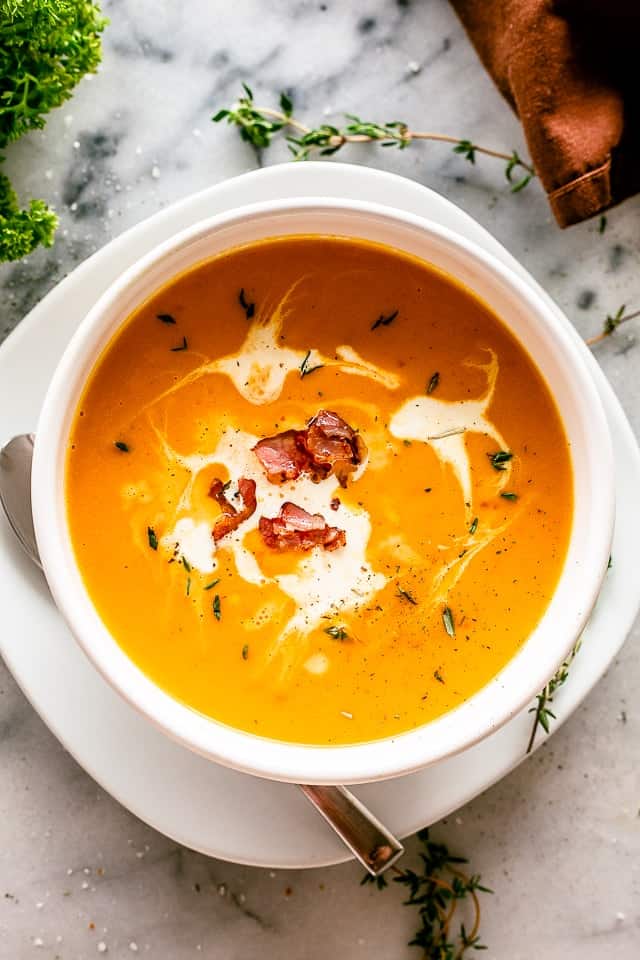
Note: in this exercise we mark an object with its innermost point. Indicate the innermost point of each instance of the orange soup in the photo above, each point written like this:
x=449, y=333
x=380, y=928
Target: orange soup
x=318, y=491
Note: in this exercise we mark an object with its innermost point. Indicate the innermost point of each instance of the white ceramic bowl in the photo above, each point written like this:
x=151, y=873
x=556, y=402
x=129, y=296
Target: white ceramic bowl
x=556, y=355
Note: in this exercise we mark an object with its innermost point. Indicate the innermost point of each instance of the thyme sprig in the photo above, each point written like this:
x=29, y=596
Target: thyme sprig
x=259, y=125
x=437, y=889
x=543, y=712
x=611, y=324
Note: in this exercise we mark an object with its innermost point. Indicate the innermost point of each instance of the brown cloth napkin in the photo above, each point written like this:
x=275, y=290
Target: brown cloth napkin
x=569, y=68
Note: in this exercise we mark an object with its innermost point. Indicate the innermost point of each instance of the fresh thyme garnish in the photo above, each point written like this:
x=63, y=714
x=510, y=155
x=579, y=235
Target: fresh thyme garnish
x=249, y=308
x=337, y=633
x=245, y=652
x=210, y=586
x=217, y=612
x=499, y=459
x=383, y=321
x=305, y=369
x=602, y=224
x=611, y=324
x=183, y=346
x=447, y=619
x=433, y=382
x=542, y=711
x=165, y=317
x=258, y=126
x=188, y=588
x=151, y=537
x=186, y=564
x=509, y=496
x=409, y=597
x=474, y=526
x=436, y=890
x=121, y=445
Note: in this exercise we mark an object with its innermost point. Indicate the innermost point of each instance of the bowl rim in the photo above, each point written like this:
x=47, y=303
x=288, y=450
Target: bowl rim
x=391, y=756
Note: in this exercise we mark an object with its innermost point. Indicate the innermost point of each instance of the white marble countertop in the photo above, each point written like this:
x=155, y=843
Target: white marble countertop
x=559, y=839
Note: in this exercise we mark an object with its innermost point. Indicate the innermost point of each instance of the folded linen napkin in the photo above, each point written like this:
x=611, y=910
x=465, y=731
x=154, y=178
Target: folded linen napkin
x=568, y=68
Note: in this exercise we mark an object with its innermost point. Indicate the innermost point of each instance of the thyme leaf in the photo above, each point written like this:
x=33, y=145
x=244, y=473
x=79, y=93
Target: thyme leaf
x=165, y=318
x=337, y=633
x=509, y=496
x=474, y=526
x=217, y=611
x=500, y=459
x=405, y=595
x=383, y=321
x=542, y=710
x=210, y=586
x=433, y=382
x=248, y=307
x=447, y=619
x=121, y=445
x=152, y=538
x=305, y=369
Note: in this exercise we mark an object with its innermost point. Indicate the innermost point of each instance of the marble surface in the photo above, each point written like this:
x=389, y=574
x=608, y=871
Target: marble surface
x=559, y=839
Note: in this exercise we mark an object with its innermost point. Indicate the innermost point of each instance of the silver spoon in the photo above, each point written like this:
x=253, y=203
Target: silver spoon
x=373, y=845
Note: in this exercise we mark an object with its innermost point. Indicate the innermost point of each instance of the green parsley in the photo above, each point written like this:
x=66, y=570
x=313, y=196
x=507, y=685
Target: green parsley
x=46, y=48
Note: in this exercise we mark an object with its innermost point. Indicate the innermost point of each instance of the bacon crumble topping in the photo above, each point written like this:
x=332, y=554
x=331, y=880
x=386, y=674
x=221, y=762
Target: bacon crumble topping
x=296, y=529
x=328, y=445
x=232, y=517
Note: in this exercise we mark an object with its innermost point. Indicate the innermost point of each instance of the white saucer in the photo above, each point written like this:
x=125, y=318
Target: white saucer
x=202, y=805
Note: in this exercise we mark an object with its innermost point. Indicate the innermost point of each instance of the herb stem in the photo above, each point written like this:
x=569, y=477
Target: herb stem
x=610, y=325
x=405, y=136
x=258, y=125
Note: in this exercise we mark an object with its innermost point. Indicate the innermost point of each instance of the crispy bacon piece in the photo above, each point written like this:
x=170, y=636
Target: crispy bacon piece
x=232, y=517
x=295, y=529
x=334, y=446
x=328, y=445
x=284, y=456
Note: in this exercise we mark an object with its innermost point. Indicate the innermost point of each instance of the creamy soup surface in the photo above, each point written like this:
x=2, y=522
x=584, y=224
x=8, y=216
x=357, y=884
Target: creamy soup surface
x=317, y=490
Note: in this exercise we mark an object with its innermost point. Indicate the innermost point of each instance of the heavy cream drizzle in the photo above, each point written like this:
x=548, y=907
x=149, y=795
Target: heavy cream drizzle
x=325, y=584
x=444, y=423
x=260, y=367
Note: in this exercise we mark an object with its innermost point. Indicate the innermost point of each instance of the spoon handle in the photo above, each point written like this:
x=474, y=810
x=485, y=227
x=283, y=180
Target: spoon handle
x=373, y=845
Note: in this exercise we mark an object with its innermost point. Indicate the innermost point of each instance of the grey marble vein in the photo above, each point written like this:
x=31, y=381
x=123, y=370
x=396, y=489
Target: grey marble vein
x=559, y=839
